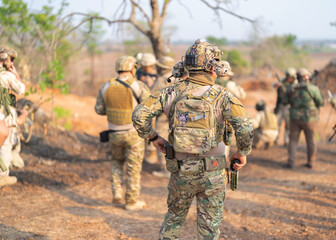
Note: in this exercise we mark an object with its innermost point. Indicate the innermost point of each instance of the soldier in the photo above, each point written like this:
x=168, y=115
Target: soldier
x=165, y=66
x=265, y=126
x=147, y=72
x=281, y=109
x=305, y=99
x=196, y=109
x=117, y=99
x=9, y=81
x=225, y=79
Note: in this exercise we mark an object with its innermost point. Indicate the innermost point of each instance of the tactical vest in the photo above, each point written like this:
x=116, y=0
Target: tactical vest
x=193, y=124
x=270, y=122
x=119, y=102
x=5, y=100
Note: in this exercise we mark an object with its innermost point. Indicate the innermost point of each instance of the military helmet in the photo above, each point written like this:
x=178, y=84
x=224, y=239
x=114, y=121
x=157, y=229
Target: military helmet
x=125, y=64
x=147, y=59
x=260, y=106
x=291, y=72
x=201, y=56
x=166, y=62
x=9, y=52
x=223, y=68
x=302, y=72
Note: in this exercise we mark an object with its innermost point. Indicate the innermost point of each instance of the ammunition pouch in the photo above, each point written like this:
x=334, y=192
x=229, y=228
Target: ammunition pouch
x=196, y=165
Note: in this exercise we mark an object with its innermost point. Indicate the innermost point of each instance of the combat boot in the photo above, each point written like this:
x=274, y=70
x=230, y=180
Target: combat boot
x=135, y=206
x=7, y=180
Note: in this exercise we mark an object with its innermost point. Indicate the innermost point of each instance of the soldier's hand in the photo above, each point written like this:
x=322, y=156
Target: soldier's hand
x=242, y=159
x=160, y=144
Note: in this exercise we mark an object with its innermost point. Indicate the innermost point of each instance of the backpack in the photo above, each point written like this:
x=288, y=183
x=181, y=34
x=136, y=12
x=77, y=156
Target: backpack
x=194, y=128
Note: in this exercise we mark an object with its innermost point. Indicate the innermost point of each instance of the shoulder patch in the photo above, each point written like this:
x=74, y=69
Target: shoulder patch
x=148, y=102
x=237, y=108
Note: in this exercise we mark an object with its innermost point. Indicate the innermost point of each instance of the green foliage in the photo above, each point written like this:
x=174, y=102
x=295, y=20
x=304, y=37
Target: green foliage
x=279, y=52
x=237, y=62
x=53, y=77
x=60, y=112
x=68, y=125
x=39, y=37
x=218, y=41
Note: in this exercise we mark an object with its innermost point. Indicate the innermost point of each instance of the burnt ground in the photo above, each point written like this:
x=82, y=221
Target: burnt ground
x=64, y=193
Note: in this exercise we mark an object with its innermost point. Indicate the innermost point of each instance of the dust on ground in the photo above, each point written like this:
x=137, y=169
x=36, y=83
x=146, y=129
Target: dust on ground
x=64, y=192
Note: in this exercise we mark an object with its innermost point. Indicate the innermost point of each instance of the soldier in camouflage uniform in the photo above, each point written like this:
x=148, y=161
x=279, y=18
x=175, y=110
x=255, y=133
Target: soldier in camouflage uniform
x=305, y=99
x=225, y=79
x=117, y=99
x=9, y=81
x=165, y=66
x=147, y=72
x=281, y=109
x=265, y=126
x=196, y=109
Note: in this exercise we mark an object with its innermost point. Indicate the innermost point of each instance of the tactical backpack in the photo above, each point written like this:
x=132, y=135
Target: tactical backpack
x=119, y=101
x=194, y=128
x=271, y=122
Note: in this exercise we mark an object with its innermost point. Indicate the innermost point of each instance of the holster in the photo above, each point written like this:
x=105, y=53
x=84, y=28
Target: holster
x=104, y=136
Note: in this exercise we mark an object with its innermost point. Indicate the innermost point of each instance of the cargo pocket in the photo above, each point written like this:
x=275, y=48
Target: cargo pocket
x=192, y=166
x=215, y=184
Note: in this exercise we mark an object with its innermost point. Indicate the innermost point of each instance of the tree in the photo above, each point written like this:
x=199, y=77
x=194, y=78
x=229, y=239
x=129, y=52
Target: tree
x=279, y=52
x=218, y=41
x=155, y=18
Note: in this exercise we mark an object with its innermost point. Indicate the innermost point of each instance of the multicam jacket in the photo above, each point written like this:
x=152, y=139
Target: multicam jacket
x=227, y=108
x=305, y=99
x=8, y=82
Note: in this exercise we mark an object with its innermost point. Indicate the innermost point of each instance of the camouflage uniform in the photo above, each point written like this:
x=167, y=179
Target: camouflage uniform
x=305, y=99
x=282, y=109
x=126, y=146
x=8, y=81
x=166, y=65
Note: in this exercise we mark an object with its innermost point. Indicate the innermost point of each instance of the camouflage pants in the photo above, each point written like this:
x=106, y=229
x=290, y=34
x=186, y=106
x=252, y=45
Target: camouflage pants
x=162, y=128
x=309, y=131
x=209, y=189
x=127, y=148
x=283, y=115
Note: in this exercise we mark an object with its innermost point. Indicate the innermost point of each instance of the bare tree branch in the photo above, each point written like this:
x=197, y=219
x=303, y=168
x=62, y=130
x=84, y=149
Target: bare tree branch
x=186, y=7
x=155, y=10
x=219, y=8
x=141, y=10
x=164, y=9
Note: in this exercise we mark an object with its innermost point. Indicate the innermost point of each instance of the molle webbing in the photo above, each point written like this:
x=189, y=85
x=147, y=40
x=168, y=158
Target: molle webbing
x=119, y=103
x=270, y=121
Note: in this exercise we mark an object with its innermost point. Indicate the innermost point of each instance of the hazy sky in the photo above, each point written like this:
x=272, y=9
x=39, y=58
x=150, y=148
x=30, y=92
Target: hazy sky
x=307, y=19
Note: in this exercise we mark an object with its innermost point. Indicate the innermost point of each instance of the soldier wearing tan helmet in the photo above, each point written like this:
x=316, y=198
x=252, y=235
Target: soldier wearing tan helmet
x=147, y=72
x=281, y=109
x=225, y=79
x=305, y=100
x=10, y=82
x=165, y=66
x=196, y=108
x=116, y=99
x=265, y=126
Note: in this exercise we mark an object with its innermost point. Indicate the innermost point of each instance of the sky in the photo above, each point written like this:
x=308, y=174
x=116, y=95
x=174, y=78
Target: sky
x=307, y=19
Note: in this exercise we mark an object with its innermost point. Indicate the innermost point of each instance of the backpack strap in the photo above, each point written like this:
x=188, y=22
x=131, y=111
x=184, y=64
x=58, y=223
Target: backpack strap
x=127, y=84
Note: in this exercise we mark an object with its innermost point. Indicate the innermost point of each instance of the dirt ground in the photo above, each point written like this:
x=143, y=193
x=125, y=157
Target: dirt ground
x=64, y=191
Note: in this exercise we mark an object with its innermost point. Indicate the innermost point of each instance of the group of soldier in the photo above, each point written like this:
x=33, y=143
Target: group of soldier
x=298, y=103
x=10, y=82
x=184, y=115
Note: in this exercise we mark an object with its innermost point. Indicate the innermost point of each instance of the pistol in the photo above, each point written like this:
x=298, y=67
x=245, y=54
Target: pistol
x=234, y=175
x=170, y=152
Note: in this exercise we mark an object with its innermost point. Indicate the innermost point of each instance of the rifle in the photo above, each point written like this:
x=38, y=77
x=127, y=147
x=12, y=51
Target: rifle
x=334, y=128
